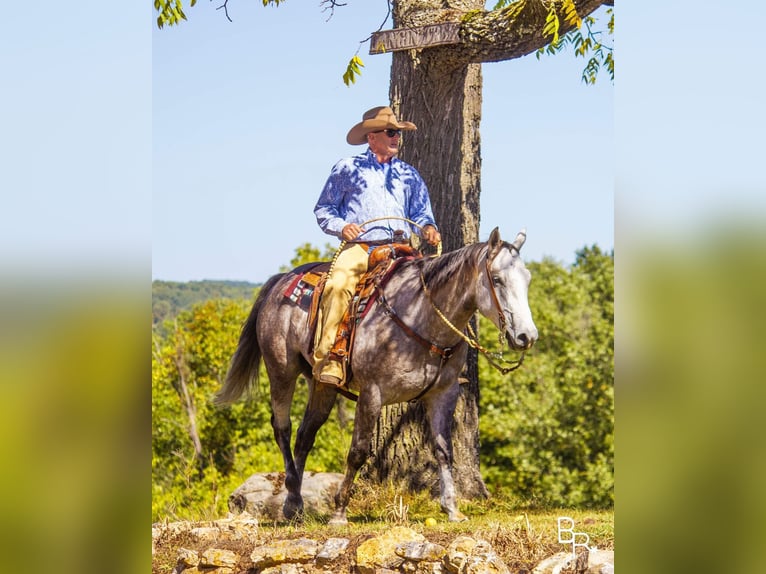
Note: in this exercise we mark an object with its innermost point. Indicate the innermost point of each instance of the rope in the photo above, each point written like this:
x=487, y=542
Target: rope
x=344, y=242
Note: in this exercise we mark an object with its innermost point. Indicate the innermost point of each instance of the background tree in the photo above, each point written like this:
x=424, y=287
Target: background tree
x=307, y=253
x=548, y=435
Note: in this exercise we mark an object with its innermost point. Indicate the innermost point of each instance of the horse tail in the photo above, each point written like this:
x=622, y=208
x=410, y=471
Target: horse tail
x=247, y=358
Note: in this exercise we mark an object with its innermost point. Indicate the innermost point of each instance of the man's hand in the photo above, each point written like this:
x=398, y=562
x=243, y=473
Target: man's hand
x=351, y=232
x=431, y=235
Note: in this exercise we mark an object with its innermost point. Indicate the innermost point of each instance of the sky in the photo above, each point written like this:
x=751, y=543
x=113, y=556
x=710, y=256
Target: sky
x=198, y=151
x=249, y=116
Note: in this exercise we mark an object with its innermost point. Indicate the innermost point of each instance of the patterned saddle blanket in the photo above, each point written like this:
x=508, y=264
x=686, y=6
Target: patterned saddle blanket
x=306, y=291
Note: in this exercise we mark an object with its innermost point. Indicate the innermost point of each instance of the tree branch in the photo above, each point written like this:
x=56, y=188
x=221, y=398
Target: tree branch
x=514, y=31
x=497, y=35
x=225, y=9
x=330, y=5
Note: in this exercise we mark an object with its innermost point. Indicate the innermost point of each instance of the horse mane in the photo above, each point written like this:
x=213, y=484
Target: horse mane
x=438, y=271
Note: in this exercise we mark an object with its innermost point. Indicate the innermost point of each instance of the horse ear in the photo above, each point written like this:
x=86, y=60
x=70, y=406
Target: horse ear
x=494, y=243
x=520, y=239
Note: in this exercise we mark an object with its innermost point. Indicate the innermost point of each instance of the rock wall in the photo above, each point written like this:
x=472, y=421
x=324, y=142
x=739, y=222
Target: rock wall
x=397, y=550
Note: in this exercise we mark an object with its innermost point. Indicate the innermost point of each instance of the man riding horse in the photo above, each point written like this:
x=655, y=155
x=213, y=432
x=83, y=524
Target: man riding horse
x=411, y=346
x=373, y=185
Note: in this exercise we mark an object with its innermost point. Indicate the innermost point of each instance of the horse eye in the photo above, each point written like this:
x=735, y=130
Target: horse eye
x=496, y=280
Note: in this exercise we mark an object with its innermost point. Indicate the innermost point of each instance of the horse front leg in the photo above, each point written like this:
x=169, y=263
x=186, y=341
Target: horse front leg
x=440, y=412
x=367, y=413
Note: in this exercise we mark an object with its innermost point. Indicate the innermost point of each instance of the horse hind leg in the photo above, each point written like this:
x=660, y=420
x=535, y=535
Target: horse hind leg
x=282, y=390
x=318, y=408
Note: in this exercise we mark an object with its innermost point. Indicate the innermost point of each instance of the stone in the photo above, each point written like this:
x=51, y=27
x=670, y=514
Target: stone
x=554, y=564
x=243, y=526
x=205, y=533
x=429, y=568
x=203, y=570
x=218, y=558
x=380, y=552
x=601, y=562
x=458, y=552
x=421, y=551
x=466, y=555
x=331, y=550
x=592, y=562
x=281, y=551
x=188, y=557
x=235, y=527
x=264, y=493
x=284, y=569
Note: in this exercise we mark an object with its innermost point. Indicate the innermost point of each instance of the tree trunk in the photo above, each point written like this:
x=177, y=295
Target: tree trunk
x=442, y=95
x=439, y=89
x=182, y=388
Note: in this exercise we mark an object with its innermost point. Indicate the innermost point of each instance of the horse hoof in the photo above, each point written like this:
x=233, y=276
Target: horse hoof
x=292, y=509
x=338, y=520
x=458, y=517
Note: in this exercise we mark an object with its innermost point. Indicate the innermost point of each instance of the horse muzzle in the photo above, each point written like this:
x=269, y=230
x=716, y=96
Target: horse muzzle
x=521, y=340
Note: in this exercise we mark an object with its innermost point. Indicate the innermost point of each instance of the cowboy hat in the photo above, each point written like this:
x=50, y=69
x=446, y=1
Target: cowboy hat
x=380, y=118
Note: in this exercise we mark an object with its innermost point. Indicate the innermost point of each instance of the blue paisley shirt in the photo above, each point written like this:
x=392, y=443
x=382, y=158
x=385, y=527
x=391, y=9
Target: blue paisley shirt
x=360, y=188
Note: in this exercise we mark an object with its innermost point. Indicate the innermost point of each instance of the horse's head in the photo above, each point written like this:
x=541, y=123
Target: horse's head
x=504, y=298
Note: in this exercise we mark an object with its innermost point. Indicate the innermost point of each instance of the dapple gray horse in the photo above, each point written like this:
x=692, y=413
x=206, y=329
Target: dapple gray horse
x=409, y=346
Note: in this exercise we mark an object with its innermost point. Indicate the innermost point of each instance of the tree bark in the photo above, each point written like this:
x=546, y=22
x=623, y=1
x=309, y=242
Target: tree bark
x=442, y=96
x=182, y=388
x=439, y=89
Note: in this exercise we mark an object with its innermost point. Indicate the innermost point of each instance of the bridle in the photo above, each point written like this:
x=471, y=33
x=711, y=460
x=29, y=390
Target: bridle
x=495, y=298
x=471, y=339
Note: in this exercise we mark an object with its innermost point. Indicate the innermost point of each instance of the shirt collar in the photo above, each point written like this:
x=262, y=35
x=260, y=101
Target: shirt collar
x=373, y=159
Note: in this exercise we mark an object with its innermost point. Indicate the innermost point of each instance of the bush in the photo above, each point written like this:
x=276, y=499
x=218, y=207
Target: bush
x=547, y=429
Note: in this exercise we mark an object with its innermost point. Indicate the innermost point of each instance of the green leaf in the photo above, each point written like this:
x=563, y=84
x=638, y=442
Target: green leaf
x=570, y=13
x=551, y=27
x=353, y=70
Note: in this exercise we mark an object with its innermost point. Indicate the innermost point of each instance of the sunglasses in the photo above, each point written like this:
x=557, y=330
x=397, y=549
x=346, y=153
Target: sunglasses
x=390, y=133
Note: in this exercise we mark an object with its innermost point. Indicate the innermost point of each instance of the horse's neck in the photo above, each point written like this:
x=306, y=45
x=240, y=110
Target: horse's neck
x=456, y=300
x=455, y=297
